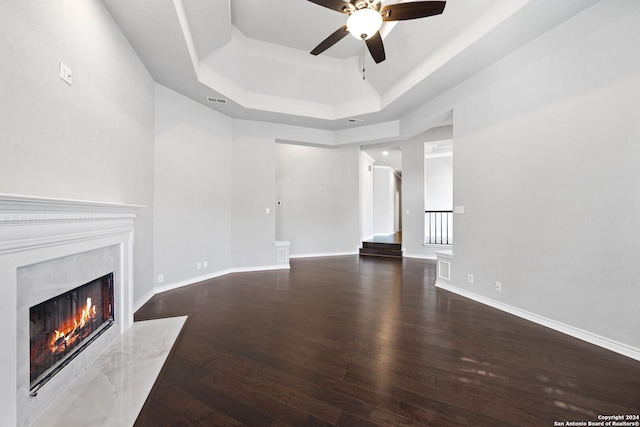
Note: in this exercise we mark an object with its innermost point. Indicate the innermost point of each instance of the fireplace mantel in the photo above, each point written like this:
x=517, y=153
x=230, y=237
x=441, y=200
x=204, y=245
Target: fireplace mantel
x=43, y=242
x=20, y=208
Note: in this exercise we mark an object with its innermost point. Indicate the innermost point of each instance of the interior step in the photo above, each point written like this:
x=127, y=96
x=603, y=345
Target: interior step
x=392, y=250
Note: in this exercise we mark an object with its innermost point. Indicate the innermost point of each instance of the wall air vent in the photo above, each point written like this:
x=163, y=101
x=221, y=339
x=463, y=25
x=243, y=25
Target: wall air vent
x=216, y=100
x=355, y=121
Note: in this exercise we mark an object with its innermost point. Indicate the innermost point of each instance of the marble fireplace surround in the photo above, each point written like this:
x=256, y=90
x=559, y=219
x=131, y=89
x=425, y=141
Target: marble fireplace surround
x=49, y=246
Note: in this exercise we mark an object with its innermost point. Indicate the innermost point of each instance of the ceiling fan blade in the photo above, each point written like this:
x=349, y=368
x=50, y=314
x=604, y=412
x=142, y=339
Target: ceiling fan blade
x=338, y=5
x=331, y=40
x=376, y=48
x=412, y=10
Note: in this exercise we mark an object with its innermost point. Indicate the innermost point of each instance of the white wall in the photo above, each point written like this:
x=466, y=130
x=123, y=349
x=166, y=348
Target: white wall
x=211, y=192
x=253, y=184
x=413, y=186
x=193, y=186
x=397, y=206
x=92, y=140
x=547, y=159
x=438, y=180
x=366, y=196
x=320, y=194
x=385, y=185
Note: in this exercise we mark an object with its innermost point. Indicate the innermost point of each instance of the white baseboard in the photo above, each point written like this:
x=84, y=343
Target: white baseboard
x=420, y=256
x=261, y=268
x=142, y=301
x=324, y=254
x=194, y=280
x=439, y=247
x=615, y=346
x=191, y=281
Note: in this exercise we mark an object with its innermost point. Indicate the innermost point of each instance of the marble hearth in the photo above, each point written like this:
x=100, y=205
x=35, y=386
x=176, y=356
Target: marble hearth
x=49, y=246
x=112, y=391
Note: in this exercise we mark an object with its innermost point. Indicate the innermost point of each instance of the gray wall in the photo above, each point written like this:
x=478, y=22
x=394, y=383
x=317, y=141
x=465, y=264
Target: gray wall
x=546, y=167
x=92, y=140
x=320, y=194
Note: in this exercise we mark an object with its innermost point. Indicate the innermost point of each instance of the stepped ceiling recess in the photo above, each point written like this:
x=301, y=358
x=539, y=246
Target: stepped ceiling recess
x=255, y=55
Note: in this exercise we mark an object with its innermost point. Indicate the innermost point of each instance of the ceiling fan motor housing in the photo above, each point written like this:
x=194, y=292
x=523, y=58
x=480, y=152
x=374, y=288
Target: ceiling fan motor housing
x=367, y=4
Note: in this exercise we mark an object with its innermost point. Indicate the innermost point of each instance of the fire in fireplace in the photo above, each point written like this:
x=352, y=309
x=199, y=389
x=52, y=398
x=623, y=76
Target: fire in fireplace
x=61, y=327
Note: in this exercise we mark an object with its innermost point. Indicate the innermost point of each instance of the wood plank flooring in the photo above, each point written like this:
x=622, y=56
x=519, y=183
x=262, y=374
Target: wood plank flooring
x=350, y=341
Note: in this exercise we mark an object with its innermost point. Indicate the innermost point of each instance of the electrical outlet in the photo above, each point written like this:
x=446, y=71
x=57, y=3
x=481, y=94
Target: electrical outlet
x=469, y=278
x=205, y=264
x=199, y=265
x=498, y=286
x=160, y=278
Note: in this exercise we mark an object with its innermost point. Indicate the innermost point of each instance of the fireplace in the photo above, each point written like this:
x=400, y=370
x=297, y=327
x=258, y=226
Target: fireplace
x=48, y=249
x=61, y=327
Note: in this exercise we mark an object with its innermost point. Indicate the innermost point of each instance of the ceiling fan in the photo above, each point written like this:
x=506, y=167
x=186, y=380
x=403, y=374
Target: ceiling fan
x=366, y=18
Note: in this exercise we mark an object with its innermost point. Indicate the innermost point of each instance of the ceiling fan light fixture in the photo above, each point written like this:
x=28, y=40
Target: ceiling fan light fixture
x=364, y=23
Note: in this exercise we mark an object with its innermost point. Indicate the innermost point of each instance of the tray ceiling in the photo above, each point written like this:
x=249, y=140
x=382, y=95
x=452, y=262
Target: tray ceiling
x=255, y=54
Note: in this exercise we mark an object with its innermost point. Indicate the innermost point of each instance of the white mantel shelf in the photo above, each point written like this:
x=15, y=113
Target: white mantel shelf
x=17, y=208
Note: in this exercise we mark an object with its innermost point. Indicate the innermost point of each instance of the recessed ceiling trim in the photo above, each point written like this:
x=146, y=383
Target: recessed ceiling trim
x=363, y=102
x=270, y=77
x=468, y=36
x=186, y=31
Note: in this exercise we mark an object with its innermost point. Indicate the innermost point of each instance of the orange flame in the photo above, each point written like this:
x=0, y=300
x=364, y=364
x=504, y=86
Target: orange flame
x=68, y=330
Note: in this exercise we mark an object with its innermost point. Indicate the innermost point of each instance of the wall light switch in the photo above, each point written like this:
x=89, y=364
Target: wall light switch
x=65, y=73
x=268, y=210
x=458, y=209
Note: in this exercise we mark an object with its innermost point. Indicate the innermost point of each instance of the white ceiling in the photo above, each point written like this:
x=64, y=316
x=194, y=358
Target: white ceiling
x=387, y=156
x=390, y=155
x=254, y=53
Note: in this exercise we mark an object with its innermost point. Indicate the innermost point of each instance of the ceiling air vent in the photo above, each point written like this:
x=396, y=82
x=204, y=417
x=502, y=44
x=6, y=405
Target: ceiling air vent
x=355, y=121
x=213, y=100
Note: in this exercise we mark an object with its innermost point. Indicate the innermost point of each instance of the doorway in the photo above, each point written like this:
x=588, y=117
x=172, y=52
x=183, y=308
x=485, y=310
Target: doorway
x=384, y=184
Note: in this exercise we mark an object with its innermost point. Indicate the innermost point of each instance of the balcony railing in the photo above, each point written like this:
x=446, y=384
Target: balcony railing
x=438, y=227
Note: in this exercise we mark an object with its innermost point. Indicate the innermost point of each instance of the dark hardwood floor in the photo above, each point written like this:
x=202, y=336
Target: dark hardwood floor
x=350, y=341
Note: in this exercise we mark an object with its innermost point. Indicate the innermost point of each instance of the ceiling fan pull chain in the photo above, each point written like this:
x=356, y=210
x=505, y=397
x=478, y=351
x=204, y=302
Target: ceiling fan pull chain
x=363, y=56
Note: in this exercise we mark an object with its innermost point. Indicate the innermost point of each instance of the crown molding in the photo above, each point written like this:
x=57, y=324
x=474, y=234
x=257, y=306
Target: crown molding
x=18, y=207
